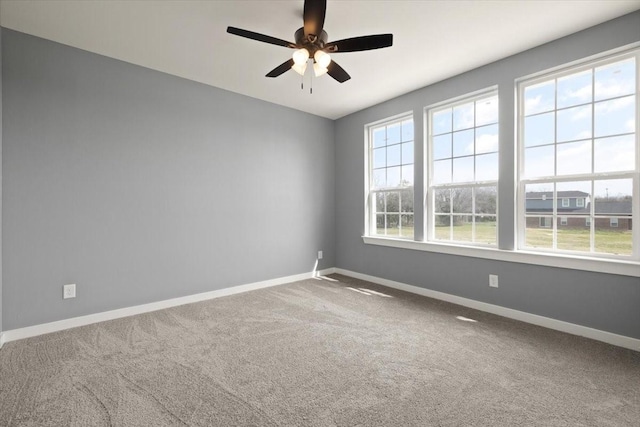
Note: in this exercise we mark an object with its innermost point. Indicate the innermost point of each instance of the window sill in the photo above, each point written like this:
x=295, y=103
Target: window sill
x=599, y=265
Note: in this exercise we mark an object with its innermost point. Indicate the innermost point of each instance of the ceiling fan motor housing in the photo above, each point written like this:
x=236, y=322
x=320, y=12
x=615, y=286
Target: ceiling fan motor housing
x=311, y=42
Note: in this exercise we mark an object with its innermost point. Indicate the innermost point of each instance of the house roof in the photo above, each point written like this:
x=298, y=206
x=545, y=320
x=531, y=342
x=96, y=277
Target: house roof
x=549, y=194
x=609, y=207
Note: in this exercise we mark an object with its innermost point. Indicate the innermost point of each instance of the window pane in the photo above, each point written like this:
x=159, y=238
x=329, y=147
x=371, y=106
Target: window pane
x=406, y=225
x=442, y=146
x=462, y=200
x=379, y=158
x=393, y=134
x=393, y=202
x=538, y=232
x=379, y=137
x=486, y=200
x=379, y=178
x=380, y=224
x=487, y=111
x=572, y=237
x=575, y=89
x=613, y=240
x=463, y=228
x=393, y=176
x=463, y=169
x=441, y=121
x=407, y=130
x=569, y=193
x=615, y=79
x=613, y=197
x=442, y=201
x=615, y=154
x=393, y=225
x=442, y=172
x=574, y=123
x=539, y=198
x=539, y=98
x=463, y=143
x=406, y=201
x=378, y=202
x=393, y=155
x=487, y=167
x=407, y=153
x=442, y=230
x=574, y=158
x=539, y=161
x=487, y=139
x=539, y=130
x=486, y=230
x=615, y=117
x=463, y=116
x=407, y=175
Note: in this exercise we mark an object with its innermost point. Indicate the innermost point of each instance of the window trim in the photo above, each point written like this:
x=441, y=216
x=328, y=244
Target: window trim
x=368, y=167
x=427, y=198
x=520, y=183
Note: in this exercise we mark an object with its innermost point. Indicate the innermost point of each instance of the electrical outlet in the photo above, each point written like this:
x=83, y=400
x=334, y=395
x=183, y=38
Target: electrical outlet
x=493, y=280
x=69, y=291
x=320, y=254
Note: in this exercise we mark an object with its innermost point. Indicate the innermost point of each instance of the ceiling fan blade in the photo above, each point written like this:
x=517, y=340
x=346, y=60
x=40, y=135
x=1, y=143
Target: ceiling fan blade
x=260, y=37
x=357, y=44
x=281, y=69
x=337, y=72
x=313, y=15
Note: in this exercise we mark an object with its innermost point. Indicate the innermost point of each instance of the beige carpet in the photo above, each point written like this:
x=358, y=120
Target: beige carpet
x=317, y=353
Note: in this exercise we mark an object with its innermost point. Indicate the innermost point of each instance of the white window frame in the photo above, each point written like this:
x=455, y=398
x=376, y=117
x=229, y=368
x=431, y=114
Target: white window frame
x=370, y=219
x=580, y=202
x=633, y=175
x=564, y=220
x=613, y=222
x=568, y=202
x=429, y=209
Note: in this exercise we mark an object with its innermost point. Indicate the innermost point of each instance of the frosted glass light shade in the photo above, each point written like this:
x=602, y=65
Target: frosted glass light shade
x=299, y=68
x=300, y=56
x=318, y=70
x=322, y=58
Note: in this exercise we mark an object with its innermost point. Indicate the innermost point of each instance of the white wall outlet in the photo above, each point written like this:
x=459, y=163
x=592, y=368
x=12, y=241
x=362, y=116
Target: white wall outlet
x=320, y=254
x=493, y=280
x=69, y=291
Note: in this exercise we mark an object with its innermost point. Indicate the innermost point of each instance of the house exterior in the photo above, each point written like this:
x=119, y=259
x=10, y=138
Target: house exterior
x=574, y=211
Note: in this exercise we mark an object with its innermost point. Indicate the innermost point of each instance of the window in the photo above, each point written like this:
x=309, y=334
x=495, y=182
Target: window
x=578, y=139
x=462, y=185
x=390, y=178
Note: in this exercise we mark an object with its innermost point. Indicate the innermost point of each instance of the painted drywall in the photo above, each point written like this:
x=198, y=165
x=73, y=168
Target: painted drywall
x=602, y=301
x=140, y=186
x=0, y=187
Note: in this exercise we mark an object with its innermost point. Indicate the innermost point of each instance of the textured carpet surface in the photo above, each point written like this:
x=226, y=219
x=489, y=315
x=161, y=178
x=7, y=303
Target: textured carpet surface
x=317, y=353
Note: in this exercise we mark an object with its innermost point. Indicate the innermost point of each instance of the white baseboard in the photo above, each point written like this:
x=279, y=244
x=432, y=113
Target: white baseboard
x=1, y=339
x=558, y=325
x=45, y=328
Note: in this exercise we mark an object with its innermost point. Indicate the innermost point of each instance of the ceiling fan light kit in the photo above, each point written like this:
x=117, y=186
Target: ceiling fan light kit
x=311, y=42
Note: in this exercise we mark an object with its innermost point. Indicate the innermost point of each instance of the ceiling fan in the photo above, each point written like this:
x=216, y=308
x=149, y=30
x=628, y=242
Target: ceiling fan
x=311, y=42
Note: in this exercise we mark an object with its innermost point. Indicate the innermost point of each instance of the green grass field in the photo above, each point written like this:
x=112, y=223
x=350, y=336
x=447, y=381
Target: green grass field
x=605, y=241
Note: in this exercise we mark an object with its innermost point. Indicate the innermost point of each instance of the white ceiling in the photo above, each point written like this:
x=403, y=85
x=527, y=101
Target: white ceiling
x=433, y=40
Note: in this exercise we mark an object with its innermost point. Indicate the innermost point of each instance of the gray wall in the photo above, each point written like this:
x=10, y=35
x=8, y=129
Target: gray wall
x=0, y=181
x=139, y=186
x=602, y=301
